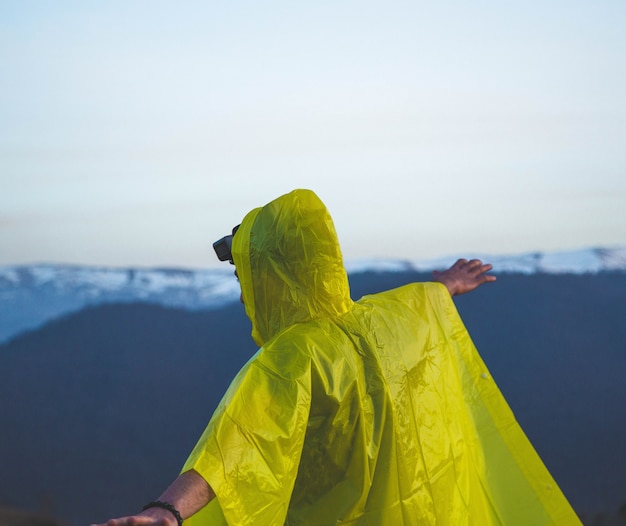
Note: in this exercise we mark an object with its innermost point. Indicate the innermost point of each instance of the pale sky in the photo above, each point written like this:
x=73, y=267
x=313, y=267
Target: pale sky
x=136, y=133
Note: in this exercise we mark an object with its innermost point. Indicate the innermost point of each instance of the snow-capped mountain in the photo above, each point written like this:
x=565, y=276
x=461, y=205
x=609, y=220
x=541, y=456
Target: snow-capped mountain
x=176, y=287
x=33, y=294
x=584, y=261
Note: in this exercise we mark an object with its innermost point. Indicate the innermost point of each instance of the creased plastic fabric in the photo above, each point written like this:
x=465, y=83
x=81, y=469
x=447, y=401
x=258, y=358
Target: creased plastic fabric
x=376, y=412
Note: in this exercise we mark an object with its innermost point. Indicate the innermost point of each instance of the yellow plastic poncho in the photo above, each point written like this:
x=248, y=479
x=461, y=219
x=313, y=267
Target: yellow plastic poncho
x=375, y=412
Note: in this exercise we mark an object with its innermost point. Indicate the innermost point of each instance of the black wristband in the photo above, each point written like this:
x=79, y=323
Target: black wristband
x=166, y=506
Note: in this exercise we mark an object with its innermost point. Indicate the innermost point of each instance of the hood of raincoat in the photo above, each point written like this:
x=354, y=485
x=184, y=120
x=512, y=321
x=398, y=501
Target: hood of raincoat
x=289, y=264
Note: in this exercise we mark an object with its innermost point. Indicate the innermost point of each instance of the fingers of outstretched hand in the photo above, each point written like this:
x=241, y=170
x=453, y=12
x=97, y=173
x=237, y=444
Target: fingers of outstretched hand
x=459, y=264
x=121, y=521
x=487, y=277
x=136, y=520
x=479, y=274
x=480, y=271
x=474, y=264
x=473, y=267
x=465, y=264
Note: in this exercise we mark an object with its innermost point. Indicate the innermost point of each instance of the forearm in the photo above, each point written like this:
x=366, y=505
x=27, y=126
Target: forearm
x=188, y=493
x=444, y=282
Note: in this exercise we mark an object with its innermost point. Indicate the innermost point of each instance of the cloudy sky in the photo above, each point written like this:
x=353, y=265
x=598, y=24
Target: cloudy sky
x=137, y=132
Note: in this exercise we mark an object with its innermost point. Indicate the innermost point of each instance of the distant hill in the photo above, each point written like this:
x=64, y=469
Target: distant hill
x=98, y=409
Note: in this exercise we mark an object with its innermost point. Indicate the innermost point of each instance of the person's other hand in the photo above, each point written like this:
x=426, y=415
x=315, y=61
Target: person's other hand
x=464, y=276
x=149, y=517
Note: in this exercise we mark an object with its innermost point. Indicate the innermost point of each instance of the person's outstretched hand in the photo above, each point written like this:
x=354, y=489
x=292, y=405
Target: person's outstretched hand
x=464, y=276
x=149, y=517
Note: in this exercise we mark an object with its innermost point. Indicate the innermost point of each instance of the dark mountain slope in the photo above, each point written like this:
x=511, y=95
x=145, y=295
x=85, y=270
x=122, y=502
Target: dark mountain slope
x=98, y=410
x=556, y=345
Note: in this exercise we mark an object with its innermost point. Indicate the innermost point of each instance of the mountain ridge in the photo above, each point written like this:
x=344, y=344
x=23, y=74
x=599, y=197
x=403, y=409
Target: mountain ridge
x=31, y=295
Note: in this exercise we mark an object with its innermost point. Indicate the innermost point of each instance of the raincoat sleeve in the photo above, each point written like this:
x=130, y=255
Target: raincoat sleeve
x=250, y=450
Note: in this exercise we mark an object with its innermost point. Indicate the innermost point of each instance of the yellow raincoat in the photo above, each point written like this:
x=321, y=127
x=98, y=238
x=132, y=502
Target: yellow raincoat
x=376, y=412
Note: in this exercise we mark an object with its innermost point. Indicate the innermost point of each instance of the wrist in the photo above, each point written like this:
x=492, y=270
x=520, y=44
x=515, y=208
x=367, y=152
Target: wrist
x=447, y=283
x=160, y=515
x=163, y=511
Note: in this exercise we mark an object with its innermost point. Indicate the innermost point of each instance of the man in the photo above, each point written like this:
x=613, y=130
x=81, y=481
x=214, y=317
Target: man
x=375, y=412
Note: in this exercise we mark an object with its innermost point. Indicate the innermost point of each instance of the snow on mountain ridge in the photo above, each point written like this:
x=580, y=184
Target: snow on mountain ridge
x=584, y=261
x=32, y=295
x=588, y=261
x=220, y=280
x=94, y=280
